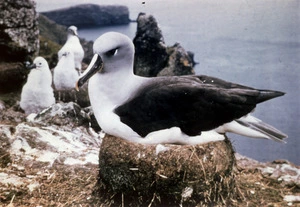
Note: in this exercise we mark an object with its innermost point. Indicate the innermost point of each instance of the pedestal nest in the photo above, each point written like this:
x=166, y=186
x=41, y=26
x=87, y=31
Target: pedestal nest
x=133, y=174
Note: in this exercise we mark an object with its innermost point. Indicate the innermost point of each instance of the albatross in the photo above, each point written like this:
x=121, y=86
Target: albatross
x=73, y=45
x=189, y=110
x=37, y=94
x=65, y=74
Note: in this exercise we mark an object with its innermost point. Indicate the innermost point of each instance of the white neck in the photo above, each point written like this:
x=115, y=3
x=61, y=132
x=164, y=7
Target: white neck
x=112, y=89
x=72, y=38
x=40, y=77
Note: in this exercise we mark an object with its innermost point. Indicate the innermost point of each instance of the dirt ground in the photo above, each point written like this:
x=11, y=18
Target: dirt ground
x=76, y=186
x=59, y=186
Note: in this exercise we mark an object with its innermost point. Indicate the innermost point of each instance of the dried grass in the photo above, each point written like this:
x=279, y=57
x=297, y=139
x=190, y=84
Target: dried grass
x=133, y=174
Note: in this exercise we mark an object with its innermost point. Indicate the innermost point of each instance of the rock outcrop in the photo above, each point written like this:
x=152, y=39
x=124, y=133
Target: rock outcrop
x=153, y=57
x=18, y=41
x=50, y=147
x=87, y=15
x=18, y=30
x=13, y=76
x=150, y=49
x=60, y=132
x=180, y=62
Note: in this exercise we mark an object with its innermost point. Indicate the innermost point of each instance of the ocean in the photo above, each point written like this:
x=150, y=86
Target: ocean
x=254, y=43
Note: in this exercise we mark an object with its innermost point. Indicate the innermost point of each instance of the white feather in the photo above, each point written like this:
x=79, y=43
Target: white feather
x=37, y=93
x=73, y=45
x=250, y=126
x=65, y=74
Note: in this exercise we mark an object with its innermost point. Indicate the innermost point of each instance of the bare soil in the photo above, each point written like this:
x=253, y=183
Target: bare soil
x=76, y=186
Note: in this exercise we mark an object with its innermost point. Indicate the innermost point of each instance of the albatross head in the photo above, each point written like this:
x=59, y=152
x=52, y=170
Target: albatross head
x=39, y=63
x=72, y=31
x=112, y=52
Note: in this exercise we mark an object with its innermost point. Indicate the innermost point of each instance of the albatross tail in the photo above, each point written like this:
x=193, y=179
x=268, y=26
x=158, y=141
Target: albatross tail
x=252, y=127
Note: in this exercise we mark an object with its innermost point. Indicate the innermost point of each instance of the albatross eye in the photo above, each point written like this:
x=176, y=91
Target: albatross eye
x=112, y=52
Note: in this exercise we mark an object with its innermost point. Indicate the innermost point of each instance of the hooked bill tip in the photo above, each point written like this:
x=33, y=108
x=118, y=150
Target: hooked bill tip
x=76, y=86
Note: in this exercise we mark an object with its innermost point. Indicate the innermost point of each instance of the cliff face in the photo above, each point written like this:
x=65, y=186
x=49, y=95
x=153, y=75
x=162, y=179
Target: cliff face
x=18, y=30
x=90, y=15
x=18, y=41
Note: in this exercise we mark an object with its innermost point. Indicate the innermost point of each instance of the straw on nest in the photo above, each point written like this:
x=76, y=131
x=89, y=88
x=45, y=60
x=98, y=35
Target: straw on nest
x=133, y=174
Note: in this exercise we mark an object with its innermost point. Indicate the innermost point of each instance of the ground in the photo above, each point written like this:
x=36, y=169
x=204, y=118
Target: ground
x=62, y=185
x=58, y=186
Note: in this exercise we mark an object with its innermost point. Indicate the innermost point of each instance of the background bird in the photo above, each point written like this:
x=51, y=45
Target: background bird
x=65, y=74
x=73, y=45
x=37, y=93
x=178, y=109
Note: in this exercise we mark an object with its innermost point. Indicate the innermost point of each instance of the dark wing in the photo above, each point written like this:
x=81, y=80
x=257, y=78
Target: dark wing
x=187, y=102
x=264, y=95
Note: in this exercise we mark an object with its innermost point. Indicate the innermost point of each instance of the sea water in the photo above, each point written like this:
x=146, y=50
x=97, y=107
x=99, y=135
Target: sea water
x=255, y=43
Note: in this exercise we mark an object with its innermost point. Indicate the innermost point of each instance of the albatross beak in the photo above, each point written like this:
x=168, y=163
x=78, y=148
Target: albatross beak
x=32, y=66
x=95, y=65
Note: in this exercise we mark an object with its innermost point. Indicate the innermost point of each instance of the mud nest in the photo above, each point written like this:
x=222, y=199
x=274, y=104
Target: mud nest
x=133, y=174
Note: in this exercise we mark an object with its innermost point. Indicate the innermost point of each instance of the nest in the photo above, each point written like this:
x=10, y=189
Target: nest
x=133, y=174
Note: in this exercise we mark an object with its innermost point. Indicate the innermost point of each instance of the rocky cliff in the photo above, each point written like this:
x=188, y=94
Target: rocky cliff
x=18, y=30
x=88, y=15
x=153, y=57
x=18, y=41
